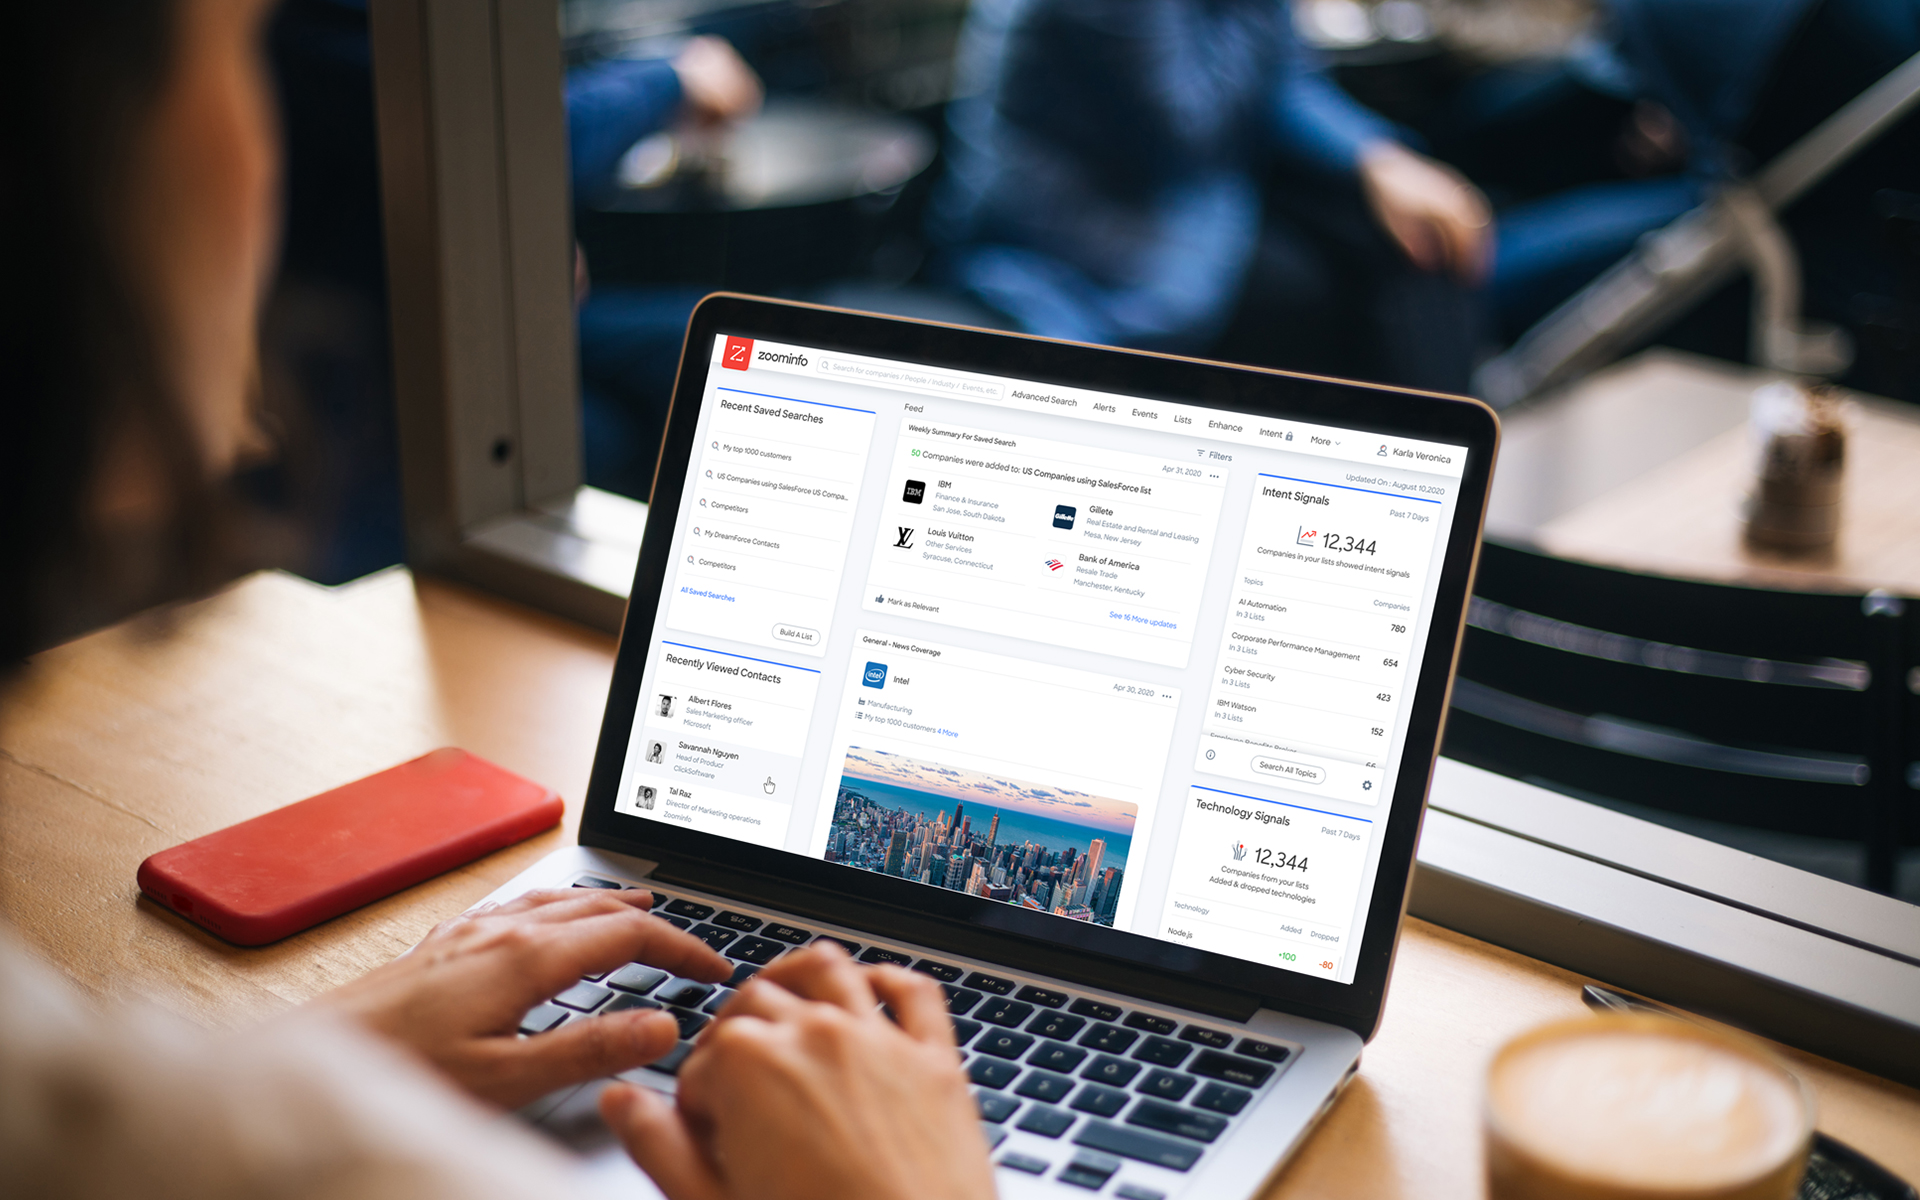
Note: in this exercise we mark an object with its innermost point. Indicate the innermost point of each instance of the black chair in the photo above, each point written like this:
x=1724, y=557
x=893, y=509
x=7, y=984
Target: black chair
x=1784, y=711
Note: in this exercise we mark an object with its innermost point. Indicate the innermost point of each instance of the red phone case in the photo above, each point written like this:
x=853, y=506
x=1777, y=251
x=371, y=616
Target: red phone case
x=292, y=868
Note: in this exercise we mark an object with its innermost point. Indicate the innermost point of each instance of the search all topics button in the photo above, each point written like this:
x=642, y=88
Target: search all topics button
x=1293, y=772
x=796, y=635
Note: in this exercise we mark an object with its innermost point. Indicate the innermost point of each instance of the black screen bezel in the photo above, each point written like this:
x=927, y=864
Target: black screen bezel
x=1376, y=409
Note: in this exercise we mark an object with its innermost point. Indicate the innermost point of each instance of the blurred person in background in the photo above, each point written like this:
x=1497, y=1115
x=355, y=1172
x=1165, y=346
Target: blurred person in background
x=630, y=335
x=1718, y=89
x=1182, y=175
x=142, y=185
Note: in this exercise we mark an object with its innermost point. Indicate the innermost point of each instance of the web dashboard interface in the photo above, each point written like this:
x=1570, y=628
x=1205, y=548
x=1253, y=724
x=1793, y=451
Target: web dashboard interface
x=1119, y=660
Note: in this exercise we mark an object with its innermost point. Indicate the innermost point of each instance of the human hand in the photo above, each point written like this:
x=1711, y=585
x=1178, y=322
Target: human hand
x=804, y=1090
x=716, y=83
x=456, y=999
x=1437, y=217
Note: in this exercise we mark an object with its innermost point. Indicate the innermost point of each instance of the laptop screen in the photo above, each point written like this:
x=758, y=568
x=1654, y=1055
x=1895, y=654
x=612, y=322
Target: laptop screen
x=1113, y=659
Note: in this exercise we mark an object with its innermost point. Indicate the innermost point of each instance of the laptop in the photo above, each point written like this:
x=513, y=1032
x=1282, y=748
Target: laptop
x=1103, y=687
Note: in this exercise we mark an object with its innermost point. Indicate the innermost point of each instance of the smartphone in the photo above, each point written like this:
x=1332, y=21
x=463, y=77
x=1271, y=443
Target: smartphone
x=292, y=868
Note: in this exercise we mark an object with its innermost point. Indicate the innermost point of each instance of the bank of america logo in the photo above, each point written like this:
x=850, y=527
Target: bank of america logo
x=1054, y=564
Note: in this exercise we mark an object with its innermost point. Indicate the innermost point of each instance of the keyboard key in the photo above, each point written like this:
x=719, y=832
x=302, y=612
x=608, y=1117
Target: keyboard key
x=741, y=973
x=1172, y=1153
x=1206, y=1037
x=637, y=978
x=1058, y=1026
x=624, y=1001
x=595, y=978
x=1149, y=1022
x=877, y=954
x=1025, y=1162
x=1166, y=1085
x=1182, y=1122
x=787, y=933
x=1109, y=1039
x=1057, y=1056
x=756, y=950
x=542, y=1017
x=1133, y=1191
x=690, y=1022
x=989, y=983
x=1115, y=1072
x=583, y=997
x=713, y=935
x=684, y=992
x=659, y=901
x=1044, y=997
x=1046, y=1120
x=1230, y=1069
x=959, y=999
x=1003, y=1043
x=994, y=1135
x=692, y=910
x=1045, y=1085
x=1100, y=1100
x=669, y=1063
x=963, y=1031
x=1096, y=1009
x=1090, y=1171
x=844, y=944
x=594, y=881
x=718, y=1002
x=739, y=921
x=676, y=922
x=1162, y=1052
x=1218, y=1097
x=995, y=1106
x=1004, y=1012
x=1272, y=1052
x=944, y=972
x=994, y=1073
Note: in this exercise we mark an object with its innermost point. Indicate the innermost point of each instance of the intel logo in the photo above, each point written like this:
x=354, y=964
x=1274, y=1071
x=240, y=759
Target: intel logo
x=876, y=675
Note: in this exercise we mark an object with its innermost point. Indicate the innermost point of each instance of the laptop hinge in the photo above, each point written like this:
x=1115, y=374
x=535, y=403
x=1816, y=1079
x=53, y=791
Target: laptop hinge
x=1016, y=953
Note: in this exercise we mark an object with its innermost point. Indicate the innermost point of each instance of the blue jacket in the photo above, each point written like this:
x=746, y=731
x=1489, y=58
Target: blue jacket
x=1104, y=165
x=610, y=106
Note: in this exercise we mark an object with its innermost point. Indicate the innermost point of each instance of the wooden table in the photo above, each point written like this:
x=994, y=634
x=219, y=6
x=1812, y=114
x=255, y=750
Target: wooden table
x=1646, y=465
x=142, y=736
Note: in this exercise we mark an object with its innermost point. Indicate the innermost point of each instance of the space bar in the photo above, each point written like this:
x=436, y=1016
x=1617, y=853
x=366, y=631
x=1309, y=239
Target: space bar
x=1147, y=1147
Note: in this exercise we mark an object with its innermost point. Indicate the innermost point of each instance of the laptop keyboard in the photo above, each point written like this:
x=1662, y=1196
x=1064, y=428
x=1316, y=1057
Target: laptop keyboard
x=1100, y=1083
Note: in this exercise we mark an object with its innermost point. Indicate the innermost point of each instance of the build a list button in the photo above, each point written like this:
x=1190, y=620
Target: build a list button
x=796, y=635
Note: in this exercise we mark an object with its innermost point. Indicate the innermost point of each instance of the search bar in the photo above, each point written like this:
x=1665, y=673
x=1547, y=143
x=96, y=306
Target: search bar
x=914, y=379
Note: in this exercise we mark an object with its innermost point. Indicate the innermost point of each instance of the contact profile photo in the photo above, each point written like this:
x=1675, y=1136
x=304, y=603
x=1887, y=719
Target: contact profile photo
x=665, y=707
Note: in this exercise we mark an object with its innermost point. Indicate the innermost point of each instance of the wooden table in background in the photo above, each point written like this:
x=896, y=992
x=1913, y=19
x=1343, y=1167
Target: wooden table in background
x=1646, y=466
x=143, y=736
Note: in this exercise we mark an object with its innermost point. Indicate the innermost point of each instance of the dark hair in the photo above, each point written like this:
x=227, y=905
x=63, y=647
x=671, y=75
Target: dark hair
x=78, y=346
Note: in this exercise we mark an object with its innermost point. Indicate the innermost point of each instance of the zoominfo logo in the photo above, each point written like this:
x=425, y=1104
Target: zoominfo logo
x=876, y=676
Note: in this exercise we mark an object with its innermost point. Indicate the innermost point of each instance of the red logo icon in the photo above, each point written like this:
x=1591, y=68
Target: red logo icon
x=738, y=355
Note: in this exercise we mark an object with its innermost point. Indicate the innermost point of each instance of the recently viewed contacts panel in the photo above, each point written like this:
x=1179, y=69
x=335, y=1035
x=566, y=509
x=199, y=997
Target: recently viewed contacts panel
x=1115, y=659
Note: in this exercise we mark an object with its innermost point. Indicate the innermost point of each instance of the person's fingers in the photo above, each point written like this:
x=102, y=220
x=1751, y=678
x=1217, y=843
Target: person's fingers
x=582, y=1049
x=762, y=998
x=917, y=1003
x=588, y=945
x=823, y=972
x=660, y=1142
x=573, y=903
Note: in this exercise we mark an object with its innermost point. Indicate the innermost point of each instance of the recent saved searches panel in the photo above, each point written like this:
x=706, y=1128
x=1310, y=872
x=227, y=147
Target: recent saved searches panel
x=1309, y=687
x=775, y=487
x=1102, y=550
